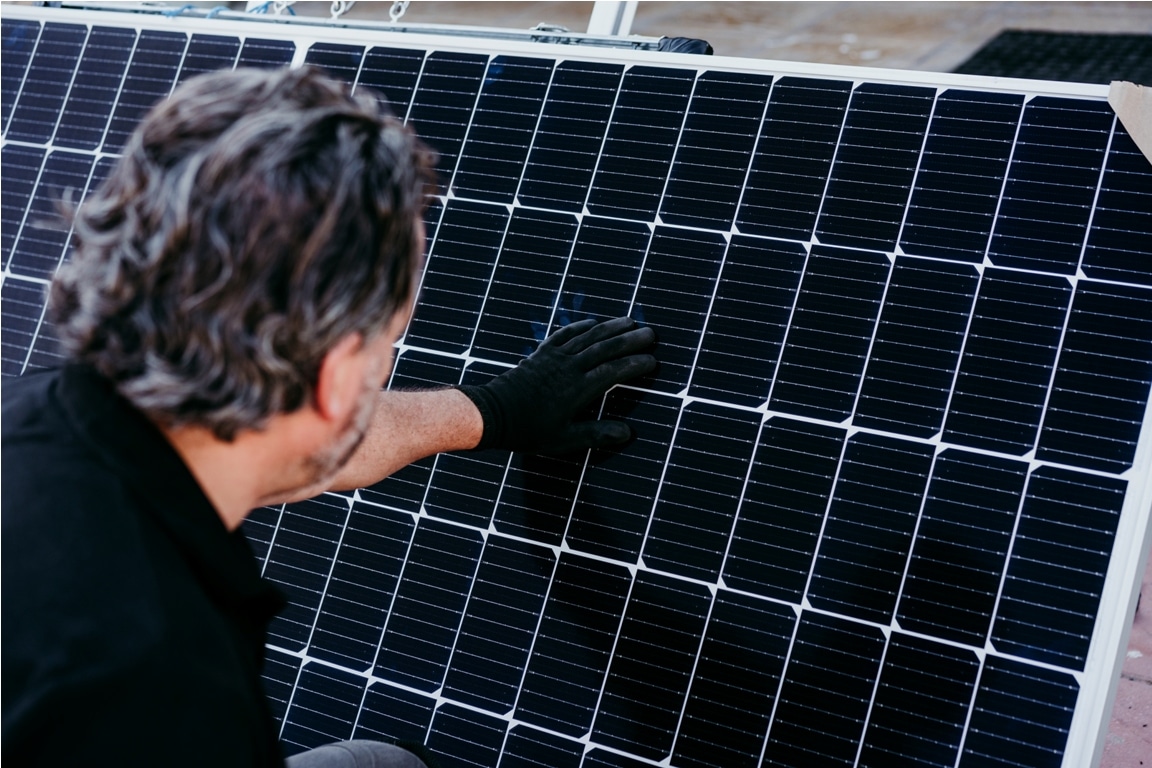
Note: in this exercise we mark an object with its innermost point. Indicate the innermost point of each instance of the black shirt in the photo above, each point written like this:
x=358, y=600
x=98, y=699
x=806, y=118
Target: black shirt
x=133, y=620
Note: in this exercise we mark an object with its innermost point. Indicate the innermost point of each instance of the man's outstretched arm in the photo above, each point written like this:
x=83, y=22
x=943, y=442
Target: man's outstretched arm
x=406, y=427
x=532, y=407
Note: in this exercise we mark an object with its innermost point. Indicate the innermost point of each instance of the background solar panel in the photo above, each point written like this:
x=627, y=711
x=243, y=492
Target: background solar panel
x=883, y=504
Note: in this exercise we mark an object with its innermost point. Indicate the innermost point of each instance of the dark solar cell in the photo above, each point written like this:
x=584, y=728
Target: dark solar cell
x=392, y=72
x=735, y=682
x=207, y=53
x=518, y=309
x=1020, y=717
x=716, y=144
x=702, y=485
x=871, y=518
x=652, y=665
x=1102, y=379
x=531, y=748
x=433, y=212
x=573, y=644
x=1052, y=182
x=875, y=165
x=100, y=172
x=425, y=614
x=1056, y=570
x=832, y=327
x=603, y=270
x=20, y=39
x=1118, y=247
x=499, y=624
x=602, y=758
x=323, y=708
x=457, y=275
x=299, y=561
x=961, y=175
x=279, y=677
x=783, y=508
x=568, y=138
x=921, y=705
x=793, y=157
x=340, y=61
x=259, y=528
x=462, y=737
x=361, y=586
x=442, y=106
x=46, y=351
x=747, y=321
x=95, y=87
x=414, y=369
x=536, y=498
x=913, y=358
x=19, y=169
x=465, y=486
x=266, y=54
x=641, y=139
x=391, y=713
x=999, y=394
x=619, y=484
x=502, y=125
x=46, y=83
x=961, y=546
x=148, y=80
x=824, y=699
x=21, y=305
x=44, y=238
x=672, y=298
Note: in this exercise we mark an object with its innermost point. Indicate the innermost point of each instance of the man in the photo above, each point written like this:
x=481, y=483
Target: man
x=230, y=313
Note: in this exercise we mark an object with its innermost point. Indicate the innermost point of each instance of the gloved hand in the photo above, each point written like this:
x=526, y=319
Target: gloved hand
x=532, y=407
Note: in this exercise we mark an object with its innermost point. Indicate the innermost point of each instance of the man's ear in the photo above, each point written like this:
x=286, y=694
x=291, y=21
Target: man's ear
x=341, y=378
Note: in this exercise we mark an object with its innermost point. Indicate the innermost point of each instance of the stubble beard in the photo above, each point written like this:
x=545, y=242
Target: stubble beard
x=327, y=462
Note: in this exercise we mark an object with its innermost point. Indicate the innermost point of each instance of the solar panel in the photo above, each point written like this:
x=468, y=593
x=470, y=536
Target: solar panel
x=888, y=498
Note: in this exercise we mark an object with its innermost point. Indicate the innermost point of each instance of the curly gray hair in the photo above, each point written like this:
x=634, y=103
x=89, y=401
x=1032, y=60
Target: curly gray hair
x=255, y=219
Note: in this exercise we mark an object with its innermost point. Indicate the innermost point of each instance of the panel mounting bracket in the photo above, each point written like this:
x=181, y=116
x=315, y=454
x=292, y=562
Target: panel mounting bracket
x=610, y=17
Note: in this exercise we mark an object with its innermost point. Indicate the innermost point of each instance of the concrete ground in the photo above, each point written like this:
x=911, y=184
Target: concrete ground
x=1129, y=742
x=935, y=36
x=931, y=36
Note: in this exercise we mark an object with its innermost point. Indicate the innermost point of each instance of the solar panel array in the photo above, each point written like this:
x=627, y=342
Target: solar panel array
x=874, y=493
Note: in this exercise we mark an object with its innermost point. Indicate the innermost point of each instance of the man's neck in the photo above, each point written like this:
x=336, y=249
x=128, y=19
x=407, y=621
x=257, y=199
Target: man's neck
x=255, y=468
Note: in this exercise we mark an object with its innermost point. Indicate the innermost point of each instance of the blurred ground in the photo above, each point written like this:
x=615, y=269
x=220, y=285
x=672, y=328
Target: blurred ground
x=934, y=36
x=1129, y=742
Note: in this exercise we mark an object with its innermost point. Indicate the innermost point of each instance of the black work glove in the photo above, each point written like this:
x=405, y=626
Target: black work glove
x=532, y=407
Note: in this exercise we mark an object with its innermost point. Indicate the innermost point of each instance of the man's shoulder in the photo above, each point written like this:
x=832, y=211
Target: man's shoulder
x=33, y=427
x=71, y=527
x=80, y=601
x=51, y=475
x=24, y=402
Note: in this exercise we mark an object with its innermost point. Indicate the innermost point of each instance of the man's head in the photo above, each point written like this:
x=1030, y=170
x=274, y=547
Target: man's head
x=256, y=221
